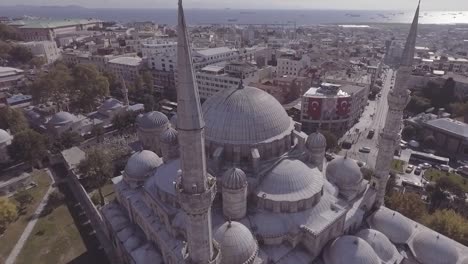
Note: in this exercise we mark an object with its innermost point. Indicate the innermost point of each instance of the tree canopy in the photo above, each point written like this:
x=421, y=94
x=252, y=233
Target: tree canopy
x=332, y=140
x=54, y=85
x=28, y=146
x=8, y=33
x=450, y=224
x=20, y=54
x=408, y=204
x=124, y=120
x=13, y=119
x=8, y=213
x=88, y=85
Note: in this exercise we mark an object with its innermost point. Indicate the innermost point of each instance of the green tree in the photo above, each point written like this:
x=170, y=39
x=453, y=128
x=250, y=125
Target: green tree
x=8, y=32
x=115, y=87
x=332, y=140
x=147, y=79
x=149, y=103
x=89, y=85
x=98, y=131
x=124, y=120
x=430, y=142
x=37, y=62
x=97, y=168
x=54, y=85
x=13, y=119
x=23, y=198
x=5, y=49
x=408, y=204
x=418, y=104
x=458, y=109
x=408, y=132
x=28, y=146
x=20, y=54
x=450, y=224
x=367, y=173
x=8, y=213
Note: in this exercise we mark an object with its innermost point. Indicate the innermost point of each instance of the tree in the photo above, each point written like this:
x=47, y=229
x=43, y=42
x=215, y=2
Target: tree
x=37, y=62
x=430, y=141
x=332, y=140
x=367, y=173
x=23, y=198
x=5, y=49
x=54, y=85
x=97, y=168
x=28, y=146
x=124, y=120
x=8, y=32
x=458, y=109
x=8, y=213
x=69, y=139
x=88, y=86
x=13, y=119
x=149, y=103
x=418, y=104
x=147, y=79
x=450, y=224
x=20, y=54
x=408, y=204
x=115, y=86
x=98, y=132
x=408, y=132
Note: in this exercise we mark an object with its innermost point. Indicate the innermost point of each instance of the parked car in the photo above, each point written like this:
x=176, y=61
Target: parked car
x=444, y=167
x=409, y=169
x=371, y=134
x=425, y=165
x=418, y=171
x=365, y=150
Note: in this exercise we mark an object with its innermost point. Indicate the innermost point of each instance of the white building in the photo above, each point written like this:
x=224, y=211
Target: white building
x=5, y=141
x=125, y=67
x=10, y=77
x=292, y=65
x=46, y=49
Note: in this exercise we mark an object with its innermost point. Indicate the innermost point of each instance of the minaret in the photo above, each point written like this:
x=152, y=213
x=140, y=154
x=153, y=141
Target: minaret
x=398, y=98
x=125, y=92
x=195, y=188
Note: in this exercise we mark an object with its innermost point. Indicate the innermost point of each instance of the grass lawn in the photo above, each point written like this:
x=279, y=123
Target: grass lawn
x=434, y=175
x=14, y=230
x=397, y=166
x=54, y=239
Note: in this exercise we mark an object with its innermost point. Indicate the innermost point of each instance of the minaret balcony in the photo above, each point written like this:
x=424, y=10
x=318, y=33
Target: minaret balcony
x=197, y=203
x=397, y=101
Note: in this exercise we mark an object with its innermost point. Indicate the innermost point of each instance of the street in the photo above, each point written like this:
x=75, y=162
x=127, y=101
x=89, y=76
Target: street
x=373, y=118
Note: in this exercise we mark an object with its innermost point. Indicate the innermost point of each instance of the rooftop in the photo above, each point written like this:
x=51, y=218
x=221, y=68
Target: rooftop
x=8, y=71
x=130, y=61
x=49, y=23
x=215, y=51
x=449, y=125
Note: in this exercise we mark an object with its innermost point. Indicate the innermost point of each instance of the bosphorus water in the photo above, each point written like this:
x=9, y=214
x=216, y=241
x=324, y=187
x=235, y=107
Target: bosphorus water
x=234, y=16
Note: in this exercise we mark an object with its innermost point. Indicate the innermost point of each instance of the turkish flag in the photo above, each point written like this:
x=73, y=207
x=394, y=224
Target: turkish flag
x=315, y=108
x=343, y=106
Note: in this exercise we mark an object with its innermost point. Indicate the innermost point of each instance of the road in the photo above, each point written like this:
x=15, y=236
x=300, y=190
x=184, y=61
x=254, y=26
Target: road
x=373, y=118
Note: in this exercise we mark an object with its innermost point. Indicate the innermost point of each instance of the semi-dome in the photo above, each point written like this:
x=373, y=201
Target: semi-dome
x=392, y=224
x=432, y=248
x=245, y=116
x=380, y=243
x=234, y=179
x=350, y=249
x=61, y=118
x=141, y=164
x=152, y=120
x=316, y=140
x=4, y=136
x=291, y=180
x=344, y=172
x=110, y=104
x=169, y=135
x=237, y=244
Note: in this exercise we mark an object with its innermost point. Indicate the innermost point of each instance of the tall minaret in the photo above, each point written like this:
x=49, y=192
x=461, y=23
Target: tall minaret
x=125, y=92
x=195, y=188
x=398, y=98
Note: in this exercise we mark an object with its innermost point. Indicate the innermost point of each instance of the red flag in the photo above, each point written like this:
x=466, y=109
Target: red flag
x=343, y=106
x=315, y=108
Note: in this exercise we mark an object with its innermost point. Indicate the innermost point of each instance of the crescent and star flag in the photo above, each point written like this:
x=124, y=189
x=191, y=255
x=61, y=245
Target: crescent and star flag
x=315, y=108
x=343, y=106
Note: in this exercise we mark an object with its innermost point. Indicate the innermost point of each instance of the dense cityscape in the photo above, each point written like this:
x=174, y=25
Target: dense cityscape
x=234, y=142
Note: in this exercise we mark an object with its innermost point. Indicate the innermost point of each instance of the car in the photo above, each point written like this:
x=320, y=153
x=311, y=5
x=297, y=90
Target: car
x=371, y=134
x=365, y=150
x=444, y=167
x=409, y=169
x=425, y=165
x=418, y=171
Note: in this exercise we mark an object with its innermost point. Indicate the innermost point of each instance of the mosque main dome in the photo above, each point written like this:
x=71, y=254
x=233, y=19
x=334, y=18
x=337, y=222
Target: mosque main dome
x=245, y=116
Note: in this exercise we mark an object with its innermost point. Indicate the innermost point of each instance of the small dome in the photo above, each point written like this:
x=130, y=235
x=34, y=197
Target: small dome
x=344, y=172
x=237, y=244
x=316, y=140
x=141, y=164
x=4, y=136
x=392, y=224
x=61, y=118
x=380, y=243
x=110, y=104
x=169, y=135
x=152, y=120
x=245, y=116
x=350, y=249
x=132, y=243
x=234, y=179
x=291, y=180
x=431, y=247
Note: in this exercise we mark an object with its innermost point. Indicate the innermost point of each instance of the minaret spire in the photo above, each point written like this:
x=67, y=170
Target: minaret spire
x=124, y=91
x=195, y=188
x=397, y=98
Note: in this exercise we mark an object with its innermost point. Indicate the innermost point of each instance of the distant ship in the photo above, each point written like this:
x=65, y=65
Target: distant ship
x=232, y=20
x=353, y=15
x=247, y=12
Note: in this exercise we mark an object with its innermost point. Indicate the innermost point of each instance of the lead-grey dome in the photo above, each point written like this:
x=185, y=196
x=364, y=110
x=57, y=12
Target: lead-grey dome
x=237, y=244
x=392, y=224
x=141, y=164
x=61, y=118
x=380, y=243
x=432, y=248
x=350, y=249
x=110, y=104
x=234, y=179
x=245, y=116
x=344, y=172
x=152, y=120
x=316, y=140
x=169, y=135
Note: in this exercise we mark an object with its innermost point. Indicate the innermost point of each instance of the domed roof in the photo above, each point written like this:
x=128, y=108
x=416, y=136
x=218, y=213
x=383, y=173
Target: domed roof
x=316, y=140
x=4, y=136
x=61, y=118
x=343, y=172
x=350, y=249
x=236, y=242
x=291, y=180
x=234, y=179
x=392, y=224
x=110, y=104
x=152, y=120
x=141, y=164
x=169, y=135
x=245, y=116
x=380, y=243
x=432, y=248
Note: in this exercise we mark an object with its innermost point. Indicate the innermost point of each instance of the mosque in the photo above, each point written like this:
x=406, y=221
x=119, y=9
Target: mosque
x=235, y=181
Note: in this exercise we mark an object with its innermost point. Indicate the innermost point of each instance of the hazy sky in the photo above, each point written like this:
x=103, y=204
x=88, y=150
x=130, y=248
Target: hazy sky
x=443, y=5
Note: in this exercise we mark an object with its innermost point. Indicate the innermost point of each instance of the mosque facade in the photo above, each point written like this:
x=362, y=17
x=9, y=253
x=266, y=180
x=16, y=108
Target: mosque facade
x=236, y=181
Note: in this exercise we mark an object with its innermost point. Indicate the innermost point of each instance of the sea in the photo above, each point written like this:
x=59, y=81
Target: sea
x=236, y=16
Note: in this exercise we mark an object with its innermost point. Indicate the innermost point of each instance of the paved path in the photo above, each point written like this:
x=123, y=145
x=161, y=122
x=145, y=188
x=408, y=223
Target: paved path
x=30, y=226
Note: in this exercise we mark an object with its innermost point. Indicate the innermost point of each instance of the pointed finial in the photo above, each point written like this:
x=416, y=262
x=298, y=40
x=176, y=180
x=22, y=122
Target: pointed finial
x=241, y=83
x=229, y=222
x=346, y=155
